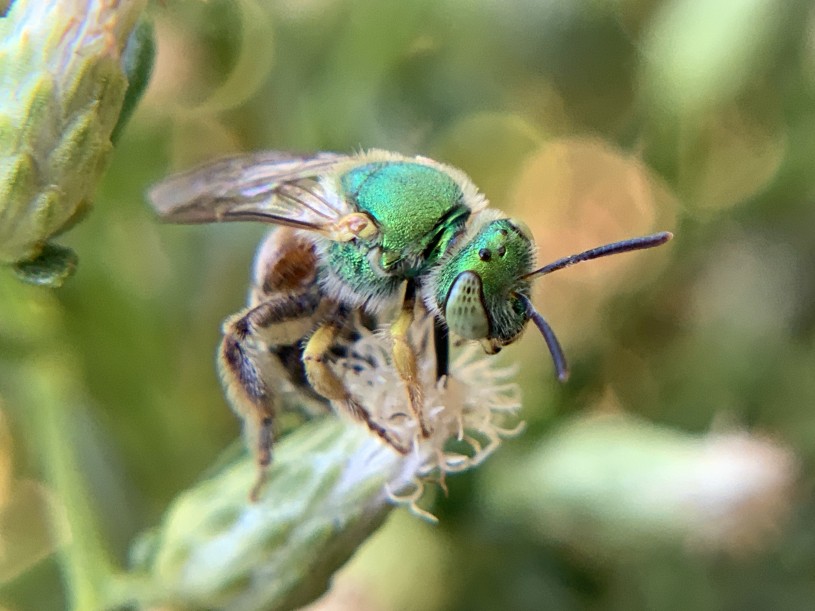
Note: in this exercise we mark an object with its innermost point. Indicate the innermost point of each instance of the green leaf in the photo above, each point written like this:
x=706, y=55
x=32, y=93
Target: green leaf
x=137, y=61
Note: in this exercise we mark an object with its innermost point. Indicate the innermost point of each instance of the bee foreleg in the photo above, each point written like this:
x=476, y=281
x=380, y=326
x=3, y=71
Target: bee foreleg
x=441, y=345
x=241, y=360
x=328, y=384
x=404, y=356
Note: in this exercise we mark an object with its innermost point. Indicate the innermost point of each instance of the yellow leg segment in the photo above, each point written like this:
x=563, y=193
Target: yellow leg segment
x=323, y=380
x=320, y=376
x=404, y=359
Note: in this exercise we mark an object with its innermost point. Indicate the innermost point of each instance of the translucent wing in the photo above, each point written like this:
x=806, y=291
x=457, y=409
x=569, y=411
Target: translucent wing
x=271, y=187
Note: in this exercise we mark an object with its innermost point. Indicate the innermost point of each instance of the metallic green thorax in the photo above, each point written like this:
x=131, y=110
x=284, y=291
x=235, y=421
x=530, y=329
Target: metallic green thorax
x=418, y=209
x=499, y=254
x=407, y=201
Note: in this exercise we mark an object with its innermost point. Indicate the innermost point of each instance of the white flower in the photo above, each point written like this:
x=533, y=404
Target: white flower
x=469, y=412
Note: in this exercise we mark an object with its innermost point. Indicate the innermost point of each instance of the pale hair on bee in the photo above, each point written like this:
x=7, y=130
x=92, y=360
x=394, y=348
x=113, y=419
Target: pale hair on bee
x=369, y=236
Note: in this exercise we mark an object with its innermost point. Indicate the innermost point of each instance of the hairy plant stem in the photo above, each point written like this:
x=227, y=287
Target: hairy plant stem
x=326, y=493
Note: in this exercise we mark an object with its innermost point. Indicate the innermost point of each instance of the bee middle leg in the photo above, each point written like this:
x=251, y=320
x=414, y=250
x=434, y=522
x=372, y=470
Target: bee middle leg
x=244, y=363
x=328, y=384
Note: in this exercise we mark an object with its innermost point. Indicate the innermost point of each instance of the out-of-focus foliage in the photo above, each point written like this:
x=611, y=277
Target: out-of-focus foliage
x=592, y=121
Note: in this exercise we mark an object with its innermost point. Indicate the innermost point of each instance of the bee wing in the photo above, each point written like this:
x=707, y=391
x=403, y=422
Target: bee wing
x=272, y=187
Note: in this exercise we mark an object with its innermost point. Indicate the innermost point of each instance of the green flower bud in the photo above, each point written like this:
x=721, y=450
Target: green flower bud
x=62, y=85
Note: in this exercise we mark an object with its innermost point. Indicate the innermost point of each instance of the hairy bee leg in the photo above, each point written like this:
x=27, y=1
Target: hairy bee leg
x=246, y=335
x=250, y=398
x=404, y=357
x=326, y=382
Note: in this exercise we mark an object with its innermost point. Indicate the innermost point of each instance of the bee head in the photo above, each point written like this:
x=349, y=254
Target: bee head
x=477, y=288
x=483, y=289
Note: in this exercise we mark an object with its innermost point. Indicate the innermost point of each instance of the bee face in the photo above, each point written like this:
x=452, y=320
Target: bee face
x=477, y=286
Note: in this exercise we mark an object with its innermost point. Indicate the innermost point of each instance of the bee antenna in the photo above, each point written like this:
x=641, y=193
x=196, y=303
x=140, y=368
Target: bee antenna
x=648, y=241
x=561, y=368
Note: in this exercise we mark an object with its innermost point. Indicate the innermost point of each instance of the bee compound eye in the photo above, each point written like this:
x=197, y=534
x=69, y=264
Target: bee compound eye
x=485, y=254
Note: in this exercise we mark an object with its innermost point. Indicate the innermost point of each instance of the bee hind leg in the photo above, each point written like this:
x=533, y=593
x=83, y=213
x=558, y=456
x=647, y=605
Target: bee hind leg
x=244, y=365
x=327, y=384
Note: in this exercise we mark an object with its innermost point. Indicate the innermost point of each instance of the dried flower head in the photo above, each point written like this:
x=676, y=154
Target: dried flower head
x=469, y=411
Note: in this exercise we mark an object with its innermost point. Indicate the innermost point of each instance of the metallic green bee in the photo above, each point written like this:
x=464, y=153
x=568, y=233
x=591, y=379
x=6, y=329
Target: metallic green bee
x=372, y=233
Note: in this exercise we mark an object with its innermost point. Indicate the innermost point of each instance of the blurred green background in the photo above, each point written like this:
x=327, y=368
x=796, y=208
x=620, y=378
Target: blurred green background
x=593, y=120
